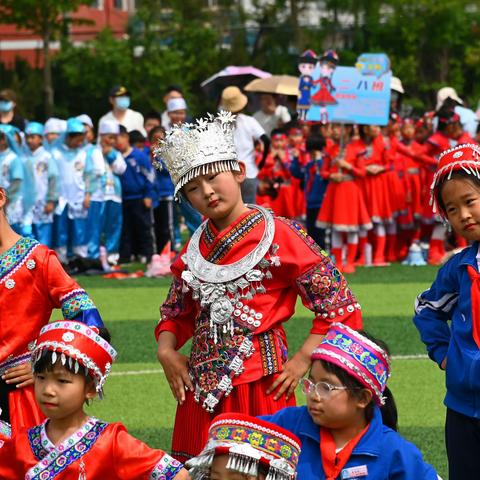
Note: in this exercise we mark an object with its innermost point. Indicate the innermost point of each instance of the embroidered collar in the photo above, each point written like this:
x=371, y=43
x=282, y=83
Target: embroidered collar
x=209, y=272
x=15, y=257
x=54, y=459
x=219, y=246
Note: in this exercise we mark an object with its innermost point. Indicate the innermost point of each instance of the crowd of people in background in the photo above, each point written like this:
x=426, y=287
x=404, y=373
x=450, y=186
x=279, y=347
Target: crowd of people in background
x=92, y=192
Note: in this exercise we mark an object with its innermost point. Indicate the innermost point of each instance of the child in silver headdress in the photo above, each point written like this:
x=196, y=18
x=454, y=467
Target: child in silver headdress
x=234, y=285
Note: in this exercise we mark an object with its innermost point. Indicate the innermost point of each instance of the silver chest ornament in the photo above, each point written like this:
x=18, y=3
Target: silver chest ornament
x=223, y=287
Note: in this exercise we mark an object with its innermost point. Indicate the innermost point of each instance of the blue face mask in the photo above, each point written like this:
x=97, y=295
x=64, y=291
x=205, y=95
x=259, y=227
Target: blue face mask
x=5, y=106
x=122, y=103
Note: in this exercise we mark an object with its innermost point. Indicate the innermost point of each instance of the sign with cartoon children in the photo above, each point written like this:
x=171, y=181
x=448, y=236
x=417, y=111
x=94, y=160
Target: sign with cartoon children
x=332, y=93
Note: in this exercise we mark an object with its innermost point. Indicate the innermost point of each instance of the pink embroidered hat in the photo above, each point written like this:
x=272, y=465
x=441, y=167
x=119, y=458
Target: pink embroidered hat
x=357, y=355
x=249, y=442
x=78, y=344
x=464, y=158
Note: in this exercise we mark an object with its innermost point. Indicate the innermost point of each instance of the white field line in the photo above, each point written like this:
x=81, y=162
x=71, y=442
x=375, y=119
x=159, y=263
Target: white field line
x=160, y=370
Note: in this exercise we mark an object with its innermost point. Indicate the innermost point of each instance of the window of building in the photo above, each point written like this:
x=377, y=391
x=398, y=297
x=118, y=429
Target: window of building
x=118, y=4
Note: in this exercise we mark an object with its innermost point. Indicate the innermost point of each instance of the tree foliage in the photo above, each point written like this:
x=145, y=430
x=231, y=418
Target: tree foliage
x=430, y=44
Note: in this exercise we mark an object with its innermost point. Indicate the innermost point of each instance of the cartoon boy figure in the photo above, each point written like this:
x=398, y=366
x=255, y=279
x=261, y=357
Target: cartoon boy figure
x=306, y=64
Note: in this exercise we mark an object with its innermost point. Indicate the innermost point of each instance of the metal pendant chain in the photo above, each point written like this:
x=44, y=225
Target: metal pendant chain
x=212, y=273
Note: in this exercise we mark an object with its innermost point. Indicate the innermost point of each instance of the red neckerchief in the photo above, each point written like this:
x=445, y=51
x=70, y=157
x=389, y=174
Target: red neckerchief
x=475, y=298
x=332, y=462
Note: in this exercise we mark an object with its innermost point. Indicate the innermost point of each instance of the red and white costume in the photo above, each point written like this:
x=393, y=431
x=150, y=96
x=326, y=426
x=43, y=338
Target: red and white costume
x=343, y=208
x=248, y=354
x=32, y=284
x=96, y=450
x=232, y=291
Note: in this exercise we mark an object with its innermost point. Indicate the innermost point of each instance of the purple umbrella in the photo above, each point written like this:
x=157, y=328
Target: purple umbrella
x=231, y=75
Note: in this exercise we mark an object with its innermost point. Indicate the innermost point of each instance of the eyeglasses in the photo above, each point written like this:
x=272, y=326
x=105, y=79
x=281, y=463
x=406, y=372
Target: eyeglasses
x=321, y=389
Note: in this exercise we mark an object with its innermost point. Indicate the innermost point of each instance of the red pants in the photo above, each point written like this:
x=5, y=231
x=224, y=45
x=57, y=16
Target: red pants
x=192, y=421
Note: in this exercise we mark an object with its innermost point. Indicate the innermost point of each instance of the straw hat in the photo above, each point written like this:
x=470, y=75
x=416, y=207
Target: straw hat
x=233, y=100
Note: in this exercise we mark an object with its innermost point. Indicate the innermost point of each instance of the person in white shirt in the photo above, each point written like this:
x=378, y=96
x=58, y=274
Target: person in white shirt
x=271, y=115
x=120, y=99
x=177, y=112
x=247, y=132
x=172, y=91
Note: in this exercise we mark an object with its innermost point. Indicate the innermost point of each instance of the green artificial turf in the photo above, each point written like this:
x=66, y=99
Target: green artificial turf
x=138, y=394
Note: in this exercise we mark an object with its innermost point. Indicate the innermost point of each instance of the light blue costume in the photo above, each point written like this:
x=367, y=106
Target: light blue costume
x=12, y=176
x=45, y=175
x=105, y=214
x=75, y=170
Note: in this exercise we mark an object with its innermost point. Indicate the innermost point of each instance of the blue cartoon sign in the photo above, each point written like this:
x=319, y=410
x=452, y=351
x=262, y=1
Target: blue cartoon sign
x=359, y=94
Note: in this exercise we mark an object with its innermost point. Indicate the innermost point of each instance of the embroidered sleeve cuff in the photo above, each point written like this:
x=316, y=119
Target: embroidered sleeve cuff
x=166, y=469
x=351, y=317
x=77, y=305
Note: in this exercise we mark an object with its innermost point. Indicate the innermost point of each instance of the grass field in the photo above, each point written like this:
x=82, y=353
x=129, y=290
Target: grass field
x=138, y=395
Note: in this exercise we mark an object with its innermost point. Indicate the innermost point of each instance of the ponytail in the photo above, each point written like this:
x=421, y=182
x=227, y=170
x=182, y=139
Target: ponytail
x=389, y=410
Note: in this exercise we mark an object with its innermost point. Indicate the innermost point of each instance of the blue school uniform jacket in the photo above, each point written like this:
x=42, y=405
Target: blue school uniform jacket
x=449, y=299
x=137, y=181
x=315, y=184
x=381, y=454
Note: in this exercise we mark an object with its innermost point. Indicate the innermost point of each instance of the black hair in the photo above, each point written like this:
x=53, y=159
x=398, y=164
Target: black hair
x=135, y=136
x=122, y=130
x=388, y=410
x=277, y=131
x=152, y=114
x=46, y=364
x=75, y=134
x=155, y=130
x=459, y=175
x=173, y=88
x=444, y=116
x=315, y=142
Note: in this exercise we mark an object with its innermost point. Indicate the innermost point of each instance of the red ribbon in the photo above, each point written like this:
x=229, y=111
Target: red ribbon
x=475, y=298
x=332, y=462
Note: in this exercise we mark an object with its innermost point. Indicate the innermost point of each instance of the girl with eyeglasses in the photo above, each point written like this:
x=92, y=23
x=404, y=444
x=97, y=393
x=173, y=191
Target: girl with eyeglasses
x=348, y=427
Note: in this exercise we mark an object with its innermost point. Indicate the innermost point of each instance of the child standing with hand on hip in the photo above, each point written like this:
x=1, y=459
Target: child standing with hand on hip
x=71, y=362
x=455, y=296
x=234, y=285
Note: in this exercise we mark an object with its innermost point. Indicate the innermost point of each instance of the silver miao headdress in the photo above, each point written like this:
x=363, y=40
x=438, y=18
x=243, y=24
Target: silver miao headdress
x=193, y=149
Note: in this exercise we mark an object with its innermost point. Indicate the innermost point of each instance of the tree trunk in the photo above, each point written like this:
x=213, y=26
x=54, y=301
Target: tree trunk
x=47, y=71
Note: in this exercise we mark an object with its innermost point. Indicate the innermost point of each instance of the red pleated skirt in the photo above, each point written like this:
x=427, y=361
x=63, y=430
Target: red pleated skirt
x=343, y=208
x=397, y=191
x=192, y=422
x=378, y=198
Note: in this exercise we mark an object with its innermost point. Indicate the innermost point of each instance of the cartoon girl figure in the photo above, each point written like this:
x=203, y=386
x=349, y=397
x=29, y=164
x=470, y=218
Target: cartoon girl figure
x=323, y=97
x=306, y=64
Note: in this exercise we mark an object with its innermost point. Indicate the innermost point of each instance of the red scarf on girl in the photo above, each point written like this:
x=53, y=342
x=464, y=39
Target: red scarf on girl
x=332, y=461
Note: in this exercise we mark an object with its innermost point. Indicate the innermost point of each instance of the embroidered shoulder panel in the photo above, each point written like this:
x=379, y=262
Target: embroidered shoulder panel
x=75, y=302
x=50, y=464
x=323, y=288
x=219, y=247
x=301, y=233
x=15, y=257
x=166, y=469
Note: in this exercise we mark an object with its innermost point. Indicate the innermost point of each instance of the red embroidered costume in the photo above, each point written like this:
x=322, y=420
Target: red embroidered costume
x=233, y=289
x=234, y=365
x=32, y=284
x=97, y=451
